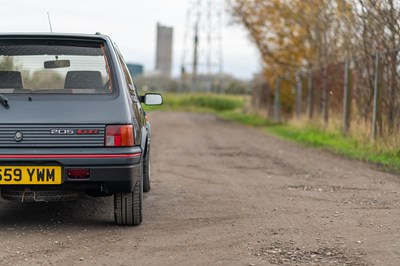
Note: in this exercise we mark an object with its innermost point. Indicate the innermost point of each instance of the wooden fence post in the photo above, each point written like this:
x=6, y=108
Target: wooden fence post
x=376, y=106
x=325, y=95
x=310, y=96
x=346, y=98
x=277, y=101
x=299, y=89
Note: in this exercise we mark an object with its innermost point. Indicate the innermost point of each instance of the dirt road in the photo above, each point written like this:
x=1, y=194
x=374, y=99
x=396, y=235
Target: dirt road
x=222, y=194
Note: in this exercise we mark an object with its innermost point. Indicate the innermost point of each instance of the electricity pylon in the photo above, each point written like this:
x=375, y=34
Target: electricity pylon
x=202, y=56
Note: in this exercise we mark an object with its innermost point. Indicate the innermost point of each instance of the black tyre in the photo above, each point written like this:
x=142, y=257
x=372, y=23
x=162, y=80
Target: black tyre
x=128, y=207
x=146, y=171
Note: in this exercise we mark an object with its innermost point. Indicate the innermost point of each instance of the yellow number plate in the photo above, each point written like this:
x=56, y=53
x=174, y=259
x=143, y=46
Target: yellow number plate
x=30, y=175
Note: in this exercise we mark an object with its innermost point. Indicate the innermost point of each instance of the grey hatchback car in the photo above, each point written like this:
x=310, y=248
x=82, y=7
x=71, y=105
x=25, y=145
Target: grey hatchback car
x=72, y=122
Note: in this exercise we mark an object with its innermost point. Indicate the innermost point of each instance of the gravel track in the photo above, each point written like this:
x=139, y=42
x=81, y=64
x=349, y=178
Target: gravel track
x=222, y=194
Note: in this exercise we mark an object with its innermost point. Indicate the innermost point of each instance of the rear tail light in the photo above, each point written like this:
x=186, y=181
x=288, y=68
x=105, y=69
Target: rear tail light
x=119, y=136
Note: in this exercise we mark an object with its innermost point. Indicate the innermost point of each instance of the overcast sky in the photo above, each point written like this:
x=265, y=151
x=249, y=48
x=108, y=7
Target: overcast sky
x=131, y=24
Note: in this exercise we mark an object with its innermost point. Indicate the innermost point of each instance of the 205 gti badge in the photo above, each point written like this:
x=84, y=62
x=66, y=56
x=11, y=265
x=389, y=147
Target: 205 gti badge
x=61, y=132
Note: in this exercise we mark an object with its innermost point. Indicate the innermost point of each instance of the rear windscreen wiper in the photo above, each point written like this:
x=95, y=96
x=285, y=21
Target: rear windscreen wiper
x=4, y=100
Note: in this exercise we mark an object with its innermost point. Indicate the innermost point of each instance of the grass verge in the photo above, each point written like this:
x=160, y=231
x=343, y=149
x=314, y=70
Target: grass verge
x=229, y=108
x=387, y=159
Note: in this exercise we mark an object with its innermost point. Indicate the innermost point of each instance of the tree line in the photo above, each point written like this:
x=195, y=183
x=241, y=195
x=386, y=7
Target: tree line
x=310, y=42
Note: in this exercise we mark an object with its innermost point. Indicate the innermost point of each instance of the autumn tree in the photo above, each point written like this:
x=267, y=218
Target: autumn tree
x=296, y=35
x=378, y=31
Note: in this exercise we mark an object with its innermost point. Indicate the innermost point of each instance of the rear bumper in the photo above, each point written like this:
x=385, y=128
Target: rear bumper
x=111, y=170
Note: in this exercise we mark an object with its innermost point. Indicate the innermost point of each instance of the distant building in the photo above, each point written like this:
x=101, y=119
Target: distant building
x=164, y=50
x=135, y=69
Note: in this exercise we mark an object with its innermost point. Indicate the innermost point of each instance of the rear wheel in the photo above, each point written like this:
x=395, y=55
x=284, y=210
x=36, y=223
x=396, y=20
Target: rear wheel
x=146, y=171
x=128, y=207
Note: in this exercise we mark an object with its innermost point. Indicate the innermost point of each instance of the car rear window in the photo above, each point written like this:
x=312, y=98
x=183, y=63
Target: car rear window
x=54, y=66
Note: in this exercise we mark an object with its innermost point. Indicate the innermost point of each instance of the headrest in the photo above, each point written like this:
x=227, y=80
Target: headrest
x=10, y=79
x=83, y=80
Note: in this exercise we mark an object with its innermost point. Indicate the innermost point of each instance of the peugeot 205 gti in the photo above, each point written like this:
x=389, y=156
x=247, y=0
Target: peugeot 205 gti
x=72, y=123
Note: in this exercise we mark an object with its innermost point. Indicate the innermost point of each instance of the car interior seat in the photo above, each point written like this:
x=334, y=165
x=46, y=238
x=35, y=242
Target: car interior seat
x=83, y=80
x=10, y=80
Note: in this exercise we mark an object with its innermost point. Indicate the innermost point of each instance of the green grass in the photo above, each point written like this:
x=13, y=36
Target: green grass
x=198, y=102
x=230, y=108
x=388, y=159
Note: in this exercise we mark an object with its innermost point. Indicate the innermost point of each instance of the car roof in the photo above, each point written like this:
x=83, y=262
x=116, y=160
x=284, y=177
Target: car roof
x=47, y=35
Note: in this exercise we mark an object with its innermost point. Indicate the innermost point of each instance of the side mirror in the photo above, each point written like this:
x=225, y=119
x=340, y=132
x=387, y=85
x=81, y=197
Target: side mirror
x=152, y=99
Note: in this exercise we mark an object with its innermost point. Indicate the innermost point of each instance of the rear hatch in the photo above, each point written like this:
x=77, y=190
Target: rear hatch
x=61, y=93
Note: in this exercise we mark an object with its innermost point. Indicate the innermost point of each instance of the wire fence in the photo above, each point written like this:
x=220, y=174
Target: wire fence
x=361, y=91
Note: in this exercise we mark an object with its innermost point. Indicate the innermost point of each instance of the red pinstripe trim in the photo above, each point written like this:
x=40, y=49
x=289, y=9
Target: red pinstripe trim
x=70, y=156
